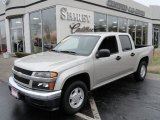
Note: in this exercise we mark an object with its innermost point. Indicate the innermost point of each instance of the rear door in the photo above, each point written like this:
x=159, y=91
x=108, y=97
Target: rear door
x=128, y=54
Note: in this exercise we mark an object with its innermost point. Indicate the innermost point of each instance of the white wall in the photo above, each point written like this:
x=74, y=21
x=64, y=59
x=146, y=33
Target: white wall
x=150, y=26
x=27, y=37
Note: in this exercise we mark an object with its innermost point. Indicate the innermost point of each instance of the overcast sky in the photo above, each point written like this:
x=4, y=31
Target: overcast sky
x=149, y=2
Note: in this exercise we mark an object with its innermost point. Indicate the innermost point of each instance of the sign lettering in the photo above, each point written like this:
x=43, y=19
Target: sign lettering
x=76, y=27
x=72, y=16
x=125, y=8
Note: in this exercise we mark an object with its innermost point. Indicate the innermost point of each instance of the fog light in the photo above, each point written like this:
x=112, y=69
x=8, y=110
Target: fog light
x=51, y=85
x=43, y=86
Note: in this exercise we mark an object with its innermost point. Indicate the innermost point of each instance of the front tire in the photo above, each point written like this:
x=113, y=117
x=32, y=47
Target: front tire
x=141, y=72
x=74, y=97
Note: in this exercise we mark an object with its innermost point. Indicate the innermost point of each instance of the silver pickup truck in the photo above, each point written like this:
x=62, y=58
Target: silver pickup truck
x=62, y=77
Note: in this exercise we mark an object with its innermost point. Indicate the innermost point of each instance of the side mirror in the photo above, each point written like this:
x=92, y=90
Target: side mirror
x=103, y=53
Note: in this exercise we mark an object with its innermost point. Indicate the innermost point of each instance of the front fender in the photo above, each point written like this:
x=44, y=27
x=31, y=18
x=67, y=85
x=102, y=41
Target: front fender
x=65, y=75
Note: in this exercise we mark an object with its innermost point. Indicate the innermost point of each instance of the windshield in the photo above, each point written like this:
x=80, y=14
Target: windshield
x=77, y=44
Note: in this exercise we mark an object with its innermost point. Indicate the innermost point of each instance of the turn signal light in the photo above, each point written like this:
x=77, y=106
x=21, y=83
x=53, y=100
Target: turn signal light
x=54, y=75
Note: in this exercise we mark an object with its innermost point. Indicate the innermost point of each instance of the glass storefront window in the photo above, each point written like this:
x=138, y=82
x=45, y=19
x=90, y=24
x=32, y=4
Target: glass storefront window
x=3, y=44
x=145, y=33
x=43, y=30
x=100, y=22
x=112, y=24
x=139, y=31
x=17, y=39
x=156, y=36
x=122, y=25
x=36, y=31
x=132, y=29
x=49, y=29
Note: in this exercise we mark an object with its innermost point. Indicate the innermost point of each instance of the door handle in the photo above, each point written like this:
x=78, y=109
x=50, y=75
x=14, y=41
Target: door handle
x=118, y=58
x=133, y=54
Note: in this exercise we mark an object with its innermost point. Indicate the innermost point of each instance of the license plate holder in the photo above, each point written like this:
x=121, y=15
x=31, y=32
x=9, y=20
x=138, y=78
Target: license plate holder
x=14, y=93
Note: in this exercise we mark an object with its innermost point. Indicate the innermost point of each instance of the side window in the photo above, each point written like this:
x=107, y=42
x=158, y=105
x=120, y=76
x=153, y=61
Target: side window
x=110, y=43
x=125, y=42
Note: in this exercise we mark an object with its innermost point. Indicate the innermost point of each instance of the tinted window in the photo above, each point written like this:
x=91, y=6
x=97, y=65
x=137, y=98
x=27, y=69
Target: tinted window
x=100, y=22
x=43, y=30
x=110, y=43
x=122, y=25
x=132, y=29
x=125, y=42
x=112, y=24
x=49, y=29
x=139, y=32
x=3, y=43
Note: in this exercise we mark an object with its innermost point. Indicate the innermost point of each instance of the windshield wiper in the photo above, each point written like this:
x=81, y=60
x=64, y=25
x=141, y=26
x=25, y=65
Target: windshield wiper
x=69, y=52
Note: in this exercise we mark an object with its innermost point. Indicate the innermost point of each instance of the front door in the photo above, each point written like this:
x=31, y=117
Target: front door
x=109, y=67
x=17, y=37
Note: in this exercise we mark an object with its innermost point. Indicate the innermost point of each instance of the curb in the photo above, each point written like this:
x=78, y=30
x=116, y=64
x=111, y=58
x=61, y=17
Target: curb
x=153, y=76
x=2, y=81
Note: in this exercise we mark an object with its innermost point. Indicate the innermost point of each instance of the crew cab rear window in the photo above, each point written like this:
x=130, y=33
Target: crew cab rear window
x=125, y=42
x=110, y=43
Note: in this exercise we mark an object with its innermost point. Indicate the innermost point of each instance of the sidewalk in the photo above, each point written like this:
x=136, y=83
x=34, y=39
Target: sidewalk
x=5, y=68
x=6, y=65
x=152, y=76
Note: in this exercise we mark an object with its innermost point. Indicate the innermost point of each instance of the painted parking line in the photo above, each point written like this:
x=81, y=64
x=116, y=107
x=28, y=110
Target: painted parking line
x=84, y=117
x=93, y=109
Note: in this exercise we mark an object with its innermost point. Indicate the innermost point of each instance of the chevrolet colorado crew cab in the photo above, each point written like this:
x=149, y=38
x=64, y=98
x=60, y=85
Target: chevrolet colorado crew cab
x=62, y=77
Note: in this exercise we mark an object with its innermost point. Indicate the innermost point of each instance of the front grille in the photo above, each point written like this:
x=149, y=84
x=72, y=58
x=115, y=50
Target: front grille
x=26, y=72
x=22, y=80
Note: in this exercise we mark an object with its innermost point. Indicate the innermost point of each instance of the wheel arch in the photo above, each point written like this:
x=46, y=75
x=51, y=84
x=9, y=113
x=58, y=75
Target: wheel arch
x=84, y=77
x=145, y=58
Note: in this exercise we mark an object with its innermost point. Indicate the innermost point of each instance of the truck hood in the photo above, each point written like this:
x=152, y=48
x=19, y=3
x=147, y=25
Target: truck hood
x=49, y=61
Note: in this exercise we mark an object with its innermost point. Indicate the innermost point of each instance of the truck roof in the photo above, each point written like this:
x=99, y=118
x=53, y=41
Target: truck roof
x=102, y=33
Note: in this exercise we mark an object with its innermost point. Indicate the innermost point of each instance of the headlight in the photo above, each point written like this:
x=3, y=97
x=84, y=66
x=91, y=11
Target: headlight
x=46, y=74
x=43, y=86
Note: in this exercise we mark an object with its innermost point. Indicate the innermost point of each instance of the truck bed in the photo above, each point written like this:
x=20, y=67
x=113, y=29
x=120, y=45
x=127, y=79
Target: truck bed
x=141, y=46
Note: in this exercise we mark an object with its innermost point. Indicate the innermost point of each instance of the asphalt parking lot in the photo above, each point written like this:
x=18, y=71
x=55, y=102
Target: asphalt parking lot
x=124, y=99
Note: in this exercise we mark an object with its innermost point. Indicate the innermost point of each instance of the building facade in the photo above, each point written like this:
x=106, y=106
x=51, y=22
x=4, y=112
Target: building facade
x=34, y=26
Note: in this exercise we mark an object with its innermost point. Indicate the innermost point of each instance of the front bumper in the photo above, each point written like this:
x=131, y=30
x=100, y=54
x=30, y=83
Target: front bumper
x=38, y=98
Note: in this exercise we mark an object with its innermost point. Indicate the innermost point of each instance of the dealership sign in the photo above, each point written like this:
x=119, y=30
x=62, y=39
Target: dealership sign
x=125, y=8
x=72, y=20
x=77, y=19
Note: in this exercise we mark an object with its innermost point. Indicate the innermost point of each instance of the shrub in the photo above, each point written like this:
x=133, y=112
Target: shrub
x=21, y=54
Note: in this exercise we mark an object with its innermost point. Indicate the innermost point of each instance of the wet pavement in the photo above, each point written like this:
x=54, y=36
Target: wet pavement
x=124, y=99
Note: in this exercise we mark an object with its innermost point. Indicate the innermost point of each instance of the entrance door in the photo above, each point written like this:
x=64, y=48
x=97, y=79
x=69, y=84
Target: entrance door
x=17, y=38
x=155, y=37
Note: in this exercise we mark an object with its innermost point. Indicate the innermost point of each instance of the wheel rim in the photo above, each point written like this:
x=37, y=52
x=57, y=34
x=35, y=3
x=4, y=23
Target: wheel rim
x=76, y=98
x=143, y=71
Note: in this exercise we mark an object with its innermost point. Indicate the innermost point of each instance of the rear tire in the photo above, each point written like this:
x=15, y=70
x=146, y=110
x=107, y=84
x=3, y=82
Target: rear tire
x=74, y=97
x=141, y=72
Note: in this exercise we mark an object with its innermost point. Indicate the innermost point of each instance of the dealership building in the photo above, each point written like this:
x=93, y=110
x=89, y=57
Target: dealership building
x=34, y=26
